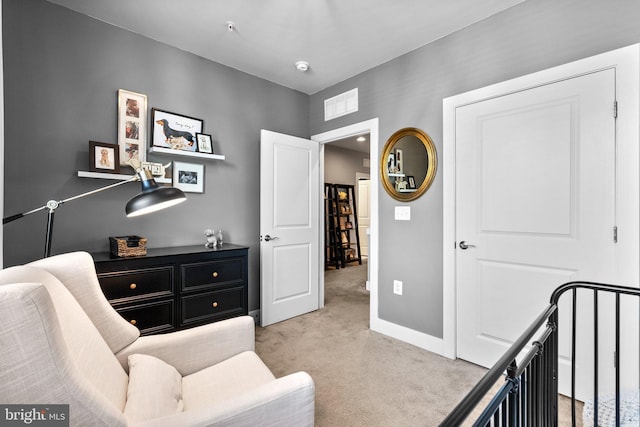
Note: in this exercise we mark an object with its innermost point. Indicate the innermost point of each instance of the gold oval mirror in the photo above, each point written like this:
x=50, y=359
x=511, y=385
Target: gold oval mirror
x=408, y=164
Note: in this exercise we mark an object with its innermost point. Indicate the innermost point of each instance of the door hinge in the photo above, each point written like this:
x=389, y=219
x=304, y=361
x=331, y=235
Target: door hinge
x=615, y=109
x=615, y=234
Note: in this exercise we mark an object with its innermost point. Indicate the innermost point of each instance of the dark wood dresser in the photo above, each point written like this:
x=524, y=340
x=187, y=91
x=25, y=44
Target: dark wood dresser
x=176, y=288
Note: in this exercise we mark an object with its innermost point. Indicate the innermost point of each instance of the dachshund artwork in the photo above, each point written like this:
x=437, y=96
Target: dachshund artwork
x=177, y=139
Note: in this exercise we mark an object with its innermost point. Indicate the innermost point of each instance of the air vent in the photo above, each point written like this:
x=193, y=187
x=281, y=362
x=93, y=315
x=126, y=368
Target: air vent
x=341, y=105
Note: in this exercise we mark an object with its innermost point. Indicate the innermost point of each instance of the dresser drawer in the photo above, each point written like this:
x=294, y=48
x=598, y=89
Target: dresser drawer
x=213, y=305
x=142, y=283
x=212, y=273
x=150, y=317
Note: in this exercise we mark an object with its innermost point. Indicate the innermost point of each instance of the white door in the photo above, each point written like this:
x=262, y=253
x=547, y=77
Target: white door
x=289, y=226
x=535, y=195
x=363, y=215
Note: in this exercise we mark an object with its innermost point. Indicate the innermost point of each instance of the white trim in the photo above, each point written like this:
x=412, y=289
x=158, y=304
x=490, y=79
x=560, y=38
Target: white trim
x=2, y=171
x=626, y=62
x=370, y=126
x=408, y=335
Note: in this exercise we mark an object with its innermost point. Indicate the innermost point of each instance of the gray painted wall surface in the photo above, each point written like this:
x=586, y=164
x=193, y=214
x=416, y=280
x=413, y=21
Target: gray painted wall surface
x=62, y=73
x=408, y=91
x=340, y=165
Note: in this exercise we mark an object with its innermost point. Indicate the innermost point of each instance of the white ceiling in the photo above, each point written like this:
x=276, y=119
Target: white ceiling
x=339, y=38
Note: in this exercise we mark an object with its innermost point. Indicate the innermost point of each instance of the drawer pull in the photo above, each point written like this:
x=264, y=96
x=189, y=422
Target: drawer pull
x=215, y=304
x=215, y=274
x=133, y=286
x=133, y=321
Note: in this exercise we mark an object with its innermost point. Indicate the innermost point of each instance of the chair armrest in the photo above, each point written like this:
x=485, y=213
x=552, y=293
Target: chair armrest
x=287, y=401
x=191, y=350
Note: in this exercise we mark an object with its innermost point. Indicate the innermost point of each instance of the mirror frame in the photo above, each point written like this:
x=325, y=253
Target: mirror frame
x=432, y=164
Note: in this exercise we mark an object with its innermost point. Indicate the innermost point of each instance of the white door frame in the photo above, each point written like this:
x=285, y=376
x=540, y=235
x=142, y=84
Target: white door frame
x=371, y=127
x=626, y=62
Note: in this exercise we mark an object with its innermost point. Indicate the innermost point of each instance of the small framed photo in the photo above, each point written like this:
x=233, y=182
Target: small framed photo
x=104, y=157
x=156, y=169
x=132, y=126
x=412, y=182
x=391, y=163
x=205, y=143
x=399, y=161
x=188, y=177
x=175, y=131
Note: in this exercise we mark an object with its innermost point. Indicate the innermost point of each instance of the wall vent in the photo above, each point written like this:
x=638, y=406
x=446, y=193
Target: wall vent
x=341, y=105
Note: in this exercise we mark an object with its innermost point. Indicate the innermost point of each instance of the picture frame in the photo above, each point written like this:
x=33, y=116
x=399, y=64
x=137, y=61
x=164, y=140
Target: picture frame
x=104, y=157
x=391, y=163
x=174, y=131
x=412, y=182
x=205, y=143
x=132, y=126
x=188, y=177
x=399, y=161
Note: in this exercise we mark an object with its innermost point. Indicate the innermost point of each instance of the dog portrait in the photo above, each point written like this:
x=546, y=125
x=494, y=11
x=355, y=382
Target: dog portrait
x=104, y=157
x=174, y=131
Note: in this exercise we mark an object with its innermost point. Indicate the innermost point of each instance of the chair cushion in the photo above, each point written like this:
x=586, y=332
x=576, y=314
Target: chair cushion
x=225, y=380
x=155, y=389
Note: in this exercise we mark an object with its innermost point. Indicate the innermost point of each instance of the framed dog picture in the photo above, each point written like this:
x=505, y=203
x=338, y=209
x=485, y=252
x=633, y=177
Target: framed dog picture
x=175, y=131
x=104, y=157
x=132, y=126
x=188, y=177
x=205, y=143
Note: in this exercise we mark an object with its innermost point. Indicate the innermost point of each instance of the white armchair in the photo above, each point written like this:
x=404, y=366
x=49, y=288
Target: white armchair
x=63, y=343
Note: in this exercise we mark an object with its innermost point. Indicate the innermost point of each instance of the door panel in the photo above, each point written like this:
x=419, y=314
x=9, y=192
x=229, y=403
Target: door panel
x=289, y=215
x=535, y=176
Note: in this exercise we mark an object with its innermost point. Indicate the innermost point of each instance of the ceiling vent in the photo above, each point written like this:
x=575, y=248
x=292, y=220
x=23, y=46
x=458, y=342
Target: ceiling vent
x=341, y=105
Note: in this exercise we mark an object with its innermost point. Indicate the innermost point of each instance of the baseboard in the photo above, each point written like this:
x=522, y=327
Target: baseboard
x=419, y=339
x=256, y=316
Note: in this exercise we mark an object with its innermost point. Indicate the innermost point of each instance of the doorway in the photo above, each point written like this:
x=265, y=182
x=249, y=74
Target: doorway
x=369, y=127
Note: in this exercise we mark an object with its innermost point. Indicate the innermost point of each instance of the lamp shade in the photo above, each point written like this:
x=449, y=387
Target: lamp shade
x=153, y=197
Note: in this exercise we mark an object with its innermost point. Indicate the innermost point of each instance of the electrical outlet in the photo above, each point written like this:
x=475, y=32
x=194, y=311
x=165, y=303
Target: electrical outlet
x=397, y=287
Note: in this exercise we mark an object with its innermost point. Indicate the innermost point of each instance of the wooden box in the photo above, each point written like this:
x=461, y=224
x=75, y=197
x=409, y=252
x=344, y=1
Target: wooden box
x=125, y=246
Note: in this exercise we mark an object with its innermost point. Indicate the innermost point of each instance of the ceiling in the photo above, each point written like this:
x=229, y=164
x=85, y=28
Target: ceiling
x=338, y=38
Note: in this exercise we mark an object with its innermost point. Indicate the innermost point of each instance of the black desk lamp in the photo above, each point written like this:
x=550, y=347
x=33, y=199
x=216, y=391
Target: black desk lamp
x=152, y=198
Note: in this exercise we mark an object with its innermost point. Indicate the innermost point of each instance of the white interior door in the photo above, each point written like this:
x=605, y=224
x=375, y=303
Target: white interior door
x=363, y=207
x=535, y=195
x=289, y=226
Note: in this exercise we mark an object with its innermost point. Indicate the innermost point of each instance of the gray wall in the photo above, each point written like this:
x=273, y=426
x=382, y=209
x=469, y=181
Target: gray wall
x=62, y=72
x=341, y=165
x=408, y=91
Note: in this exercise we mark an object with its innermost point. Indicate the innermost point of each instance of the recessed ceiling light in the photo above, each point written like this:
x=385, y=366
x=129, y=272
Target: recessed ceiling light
x=302, y=66
x=361, y=139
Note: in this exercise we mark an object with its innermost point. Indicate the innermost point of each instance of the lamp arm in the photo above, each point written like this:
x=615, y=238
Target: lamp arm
x=53, y=204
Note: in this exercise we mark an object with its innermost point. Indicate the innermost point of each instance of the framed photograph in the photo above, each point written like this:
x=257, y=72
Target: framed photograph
x=391, y=163
x=399, y=159
x=104, y=157
x=171, y=130
x=205, y=143
x=412, y=182
x=188, y=177
x=132, y=126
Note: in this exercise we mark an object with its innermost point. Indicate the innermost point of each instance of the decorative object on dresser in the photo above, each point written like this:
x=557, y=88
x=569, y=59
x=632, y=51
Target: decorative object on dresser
x=176, y=288
x=128, y=246
x=132, y=126
x=150, y=199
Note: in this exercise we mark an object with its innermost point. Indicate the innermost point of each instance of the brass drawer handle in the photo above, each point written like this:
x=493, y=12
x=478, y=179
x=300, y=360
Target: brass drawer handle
x=133, y=321
x=215, y=274
x=215, y=304
x=133, y=286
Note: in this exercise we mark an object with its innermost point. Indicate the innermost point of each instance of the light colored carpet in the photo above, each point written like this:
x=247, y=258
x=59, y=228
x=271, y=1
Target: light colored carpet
x=363, y=378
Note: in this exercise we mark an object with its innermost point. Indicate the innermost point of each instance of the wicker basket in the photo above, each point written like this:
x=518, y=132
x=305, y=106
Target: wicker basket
x=126, y=246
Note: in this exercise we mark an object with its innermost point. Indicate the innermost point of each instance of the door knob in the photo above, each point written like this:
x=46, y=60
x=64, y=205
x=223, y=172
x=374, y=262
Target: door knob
x=268, y=238
x=464, y=245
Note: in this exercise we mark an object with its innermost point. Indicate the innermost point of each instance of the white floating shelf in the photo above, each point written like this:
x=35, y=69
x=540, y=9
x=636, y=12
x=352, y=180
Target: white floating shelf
x=117, y=176
x=396, y=174
x=161, y=150
x=408, y=190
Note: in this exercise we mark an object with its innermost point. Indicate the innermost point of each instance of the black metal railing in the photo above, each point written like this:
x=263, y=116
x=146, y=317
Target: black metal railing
x=529, y=395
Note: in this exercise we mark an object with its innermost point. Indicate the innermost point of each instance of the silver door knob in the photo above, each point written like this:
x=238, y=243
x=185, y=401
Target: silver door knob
x=268, y=238
x=464, y=245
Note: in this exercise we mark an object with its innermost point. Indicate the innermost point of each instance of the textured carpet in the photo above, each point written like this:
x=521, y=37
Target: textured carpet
x=363, y=378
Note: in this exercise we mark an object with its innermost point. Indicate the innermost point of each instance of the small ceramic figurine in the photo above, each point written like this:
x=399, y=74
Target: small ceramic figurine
x=212, y=239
